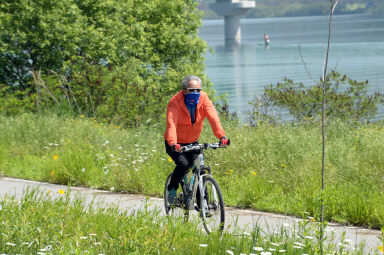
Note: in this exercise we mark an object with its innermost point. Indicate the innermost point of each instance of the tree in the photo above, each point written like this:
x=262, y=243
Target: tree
x=117, y=60
x=43, y=34
x=346, y=98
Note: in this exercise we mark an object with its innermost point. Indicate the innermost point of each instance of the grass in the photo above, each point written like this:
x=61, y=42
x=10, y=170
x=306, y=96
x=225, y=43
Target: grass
x=41, y=223
x=269, y=168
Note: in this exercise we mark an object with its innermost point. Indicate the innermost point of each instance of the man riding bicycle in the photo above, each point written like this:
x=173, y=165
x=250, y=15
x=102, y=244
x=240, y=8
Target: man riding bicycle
x=186, y=112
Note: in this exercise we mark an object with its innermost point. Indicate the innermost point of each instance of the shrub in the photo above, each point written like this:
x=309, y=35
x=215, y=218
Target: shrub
x=118, y=61
x=345, y=99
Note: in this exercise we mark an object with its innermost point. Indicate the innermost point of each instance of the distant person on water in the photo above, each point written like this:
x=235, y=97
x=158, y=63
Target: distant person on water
x=266, y=39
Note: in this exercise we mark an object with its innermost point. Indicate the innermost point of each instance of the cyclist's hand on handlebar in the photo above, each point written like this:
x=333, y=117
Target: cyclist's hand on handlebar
x=176, y=147
x=224, y=141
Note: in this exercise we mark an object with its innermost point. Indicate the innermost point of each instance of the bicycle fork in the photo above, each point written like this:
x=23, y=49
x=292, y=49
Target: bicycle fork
x=202, y=194
x=199, y=163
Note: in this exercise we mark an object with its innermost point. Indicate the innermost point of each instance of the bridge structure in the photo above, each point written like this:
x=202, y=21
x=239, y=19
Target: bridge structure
x=232, y=11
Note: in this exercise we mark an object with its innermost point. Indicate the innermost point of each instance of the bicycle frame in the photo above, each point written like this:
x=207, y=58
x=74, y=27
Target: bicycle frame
x=197, y=167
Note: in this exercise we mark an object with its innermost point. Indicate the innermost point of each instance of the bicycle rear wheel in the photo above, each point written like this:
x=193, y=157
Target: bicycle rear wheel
x=179, y=209
x=212, y=206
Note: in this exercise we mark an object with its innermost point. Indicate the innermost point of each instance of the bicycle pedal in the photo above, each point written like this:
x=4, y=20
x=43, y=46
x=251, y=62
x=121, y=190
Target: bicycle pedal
x=209, y=214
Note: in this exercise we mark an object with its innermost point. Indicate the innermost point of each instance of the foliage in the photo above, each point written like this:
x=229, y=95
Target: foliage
x=43, y=34
x=345, y=99
x=102, y=50
x=15, y=101
x=127, y=95
x=61, y=223
x=276, y=167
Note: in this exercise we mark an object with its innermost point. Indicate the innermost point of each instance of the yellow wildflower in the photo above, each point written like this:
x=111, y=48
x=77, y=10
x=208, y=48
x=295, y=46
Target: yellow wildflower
x=226, y=173
x=170, y=159
x=230, y=171
x=52, y=173
x=254, y=173
x=48, y=191
x=381, y=248
x=55, y=157
x=61, y=192
x=283, y=165
x=69, y=141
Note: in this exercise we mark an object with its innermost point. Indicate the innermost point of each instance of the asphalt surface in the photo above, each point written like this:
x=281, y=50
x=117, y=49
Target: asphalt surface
x=237, y=221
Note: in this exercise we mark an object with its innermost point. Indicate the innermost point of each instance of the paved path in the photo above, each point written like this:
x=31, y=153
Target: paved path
x=237, y=220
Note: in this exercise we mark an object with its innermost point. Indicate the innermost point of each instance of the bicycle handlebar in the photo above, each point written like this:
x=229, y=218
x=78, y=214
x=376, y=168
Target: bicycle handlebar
x=204, y=146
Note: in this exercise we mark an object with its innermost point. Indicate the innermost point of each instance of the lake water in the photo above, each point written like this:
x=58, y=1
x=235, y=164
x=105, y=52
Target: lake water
x=357, y=50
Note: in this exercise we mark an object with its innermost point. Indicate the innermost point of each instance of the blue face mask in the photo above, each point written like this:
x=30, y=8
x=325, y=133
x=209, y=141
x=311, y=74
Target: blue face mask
x=192, y=99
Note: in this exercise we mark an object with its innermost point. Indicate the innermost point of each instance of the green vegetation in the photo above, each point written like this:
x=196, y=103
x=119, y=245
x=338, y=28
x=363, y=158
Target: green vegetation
x=93, y=63
x=105, y=59
x=42, y=224
x=346, y=99
x=269, y=168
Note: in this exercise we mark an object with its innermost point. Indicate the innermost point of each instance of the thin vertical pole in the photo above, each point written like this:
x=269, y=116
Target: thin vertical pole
x=333, y=4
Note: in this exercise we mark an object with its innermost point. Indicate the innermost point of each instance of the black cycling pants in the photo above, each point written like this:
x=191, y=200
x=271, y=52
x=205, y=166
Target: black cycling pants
x=183, y=161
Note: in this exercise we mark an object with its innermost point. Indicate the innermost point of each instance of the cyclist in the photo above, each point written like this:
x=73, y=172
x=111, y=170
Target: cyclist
x=186, y=112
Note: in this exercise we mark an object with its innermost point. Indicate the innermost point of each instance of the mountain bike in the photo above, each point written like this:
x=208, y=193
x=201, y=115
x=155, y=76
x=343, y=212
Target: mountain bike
x=199, y=193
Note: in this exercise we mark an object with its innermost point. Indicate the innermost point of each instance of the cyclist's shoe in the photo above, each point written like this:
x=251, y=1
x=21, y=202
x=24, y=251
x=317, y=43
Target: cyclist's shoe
x=172, y=197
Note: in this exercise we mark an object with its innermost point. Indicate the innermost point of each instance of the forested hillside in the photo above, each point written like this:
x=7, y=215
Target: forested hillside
x=286, y=8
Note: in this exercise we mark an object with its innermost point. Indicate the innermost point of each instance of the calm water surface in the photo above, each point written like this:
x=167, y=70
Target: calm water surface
x=357, y=50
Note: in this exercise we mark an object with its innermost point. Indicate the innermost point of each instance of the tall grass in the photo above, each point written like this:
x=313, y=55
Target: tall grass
x=270, y=168
x=39, y=224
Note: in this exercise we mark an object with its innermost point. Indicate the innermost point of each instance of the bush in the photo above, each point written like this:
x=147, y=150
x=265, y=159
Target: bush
x=16, y=101
x=117, y=61
x=345, y=99
x=128, y=95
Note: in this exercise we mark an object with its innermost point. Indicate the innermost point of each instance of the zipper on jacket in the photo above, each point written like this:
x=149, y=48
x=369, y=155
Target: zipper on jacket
x=195, y=117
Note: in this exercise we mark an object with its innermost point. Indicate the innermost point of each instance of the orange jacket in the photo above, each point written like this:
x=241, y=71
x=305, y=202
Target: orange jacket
x=179, y=126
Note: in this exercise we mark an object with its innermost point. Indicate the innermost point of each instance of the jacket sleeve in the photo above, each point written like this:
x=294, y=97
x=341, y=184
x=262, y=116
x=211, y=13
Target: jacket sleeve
x=213, y=118
x=172, y=119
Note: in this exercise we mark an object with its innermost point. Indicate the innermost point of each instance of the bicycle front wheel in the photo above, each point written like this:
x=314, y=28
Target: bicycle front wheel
x=212, y=206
